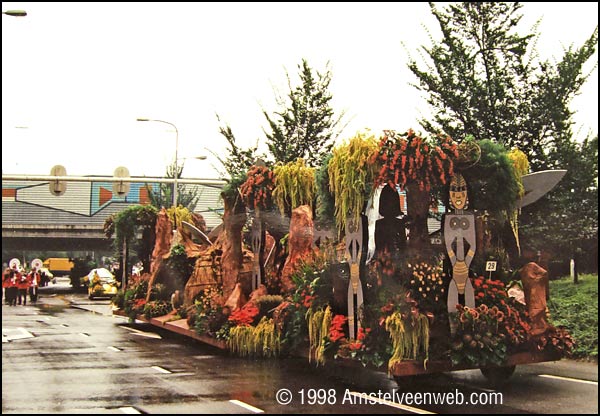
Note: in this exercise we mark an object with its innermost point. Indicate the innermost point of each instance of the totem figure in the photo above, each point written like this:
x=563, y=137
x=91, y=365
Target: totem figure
x=354, y=237
x=460, y=240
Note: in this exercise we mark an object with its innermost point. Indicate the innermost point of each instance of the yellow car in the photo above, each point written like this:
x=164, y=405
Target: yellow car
x=102, y=284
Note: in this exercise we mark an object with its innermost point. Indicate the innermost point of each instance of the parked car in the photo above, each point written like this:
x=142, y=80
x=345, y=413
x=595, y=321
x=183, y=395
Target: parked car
x=101, y=283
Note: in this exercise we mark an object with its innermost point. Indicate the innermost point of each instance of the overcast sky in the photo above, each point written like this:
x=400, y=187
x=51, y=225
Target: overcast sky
x=75, y=76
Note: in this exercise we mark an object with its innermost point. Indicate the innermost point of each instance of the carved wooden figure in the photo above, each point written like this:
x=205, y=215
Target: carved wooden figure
x=354, y=237
x=460, y=240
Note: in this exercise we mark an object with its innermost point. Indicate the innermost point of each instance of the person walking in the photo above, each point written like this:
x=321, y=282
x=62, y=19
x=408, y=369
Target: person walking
x=22, y=287
x=34, y=280
x=6, y=276
x=12, y=288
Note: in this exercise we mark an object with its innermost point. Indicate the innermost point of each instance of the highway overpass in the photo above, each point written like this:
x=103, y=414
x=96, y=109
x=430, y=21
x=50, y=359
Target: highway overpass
x=33, y=219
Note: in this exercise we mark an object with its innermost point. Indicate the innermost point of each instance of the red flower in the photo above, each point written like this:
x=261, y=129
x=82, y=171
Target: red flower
x=336, y=330
x=355, y=346
x=244, y=316
x=307, y=302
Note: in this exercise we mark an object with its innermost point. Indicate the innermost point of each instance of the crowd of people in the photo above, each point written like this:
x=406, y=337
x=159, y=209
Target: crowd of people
x=18, y=284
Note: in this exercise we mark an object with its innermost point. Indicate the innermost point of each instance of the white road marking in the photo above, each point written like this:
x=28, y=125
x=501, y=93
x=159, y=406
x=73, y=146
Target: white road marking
x=142, y=333
x=575, y=380
x=130, y=410
x=247, y=406
x=15, y=333
x=392, y=404
x=161, y=370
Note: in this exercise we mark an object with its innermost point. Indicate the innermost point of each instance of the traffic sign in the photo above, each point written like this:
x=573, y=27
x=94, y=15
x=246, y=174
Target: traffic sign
x=58, y=187
x=121, y=188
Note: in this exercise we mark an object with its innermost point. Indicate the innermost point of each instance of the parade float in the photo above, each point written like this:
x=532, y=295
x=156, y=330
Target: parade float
x=398, y=253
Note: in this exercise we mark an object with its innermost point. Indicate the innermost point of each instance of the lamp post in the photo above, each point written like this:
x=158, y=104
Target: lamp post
x=176, y=151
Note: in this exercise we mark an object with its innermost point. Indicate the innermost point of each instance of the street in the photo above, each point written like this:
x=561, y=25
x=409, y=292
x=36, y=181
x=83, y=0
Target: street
x=68, y=354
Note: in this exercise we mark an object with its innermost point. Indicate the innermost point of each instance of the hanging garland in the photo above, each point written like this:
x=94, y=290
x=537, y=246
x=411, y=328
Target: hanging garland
x=294, y=185
x=350, y=177
x=260, y=341
x=521, y=167
x=410, y=337
x=407, y=157
x=318, y=323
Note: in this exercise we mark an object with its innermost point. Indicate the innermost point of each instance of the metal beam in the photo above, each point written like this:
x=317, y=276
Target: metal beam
x=135, y=179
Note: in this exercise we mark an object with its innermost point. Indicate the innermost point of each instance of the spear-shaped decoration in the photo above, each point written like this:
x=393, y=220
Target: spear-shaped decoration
x=354, y=238
x=256, y=242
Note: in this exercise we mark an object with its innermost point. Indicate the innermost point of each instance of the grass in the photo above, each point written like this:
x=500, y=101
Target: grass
x=575, y=306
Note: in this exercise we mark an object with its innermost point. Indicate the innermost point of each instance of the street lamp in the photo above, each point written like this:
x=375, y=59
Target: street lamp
x=176, y=151
x=16, y=13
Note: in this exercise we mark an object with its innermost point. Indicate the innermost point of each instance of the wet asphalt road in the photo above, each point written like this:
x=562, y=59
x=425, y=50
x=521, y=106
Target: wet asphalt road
x=70, y=355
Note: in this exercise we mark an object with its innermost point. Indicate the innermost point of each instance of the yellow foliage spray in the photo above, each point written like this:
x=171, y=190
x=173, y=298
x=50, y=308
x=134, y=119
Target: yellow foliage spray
x=409, y=339
x=319, y=323
x=263, y=340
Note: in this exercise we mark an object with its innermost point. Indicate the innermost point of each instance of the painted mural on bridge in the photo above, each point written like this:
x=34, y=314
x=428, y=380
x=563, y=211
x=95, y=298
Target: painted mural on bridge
x=83, y=198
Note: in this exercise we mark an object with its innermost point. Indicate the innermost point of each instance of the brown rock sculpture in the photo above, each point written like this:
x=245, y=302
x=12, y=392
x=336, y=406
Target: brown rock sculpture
x=535, y=281
x=234, y=218
x=300, y=244
x=236, y=298
x=164, y=235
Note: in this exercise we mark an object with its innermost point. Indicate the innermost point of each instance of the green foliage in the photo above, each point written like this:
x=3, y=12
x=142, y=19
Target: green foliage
x=135, y=299
x=294, y=186
x=163, y=197
x=125, y=226
x=179, y=266
x=325, y=204
x=156, y=308
x=231, y=191
x=565, y=222
x=267, y=303
x=477, y=342
x=313, y=288
x=208, y=316
x=493, y=183
x=238, y=161
x=485, y=79
x=575, y=306
x=305, y=127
